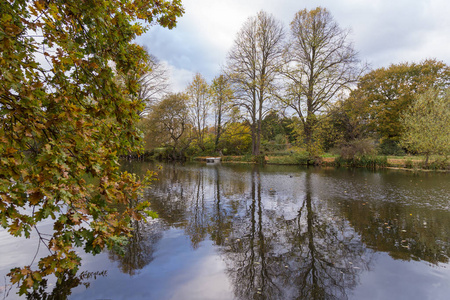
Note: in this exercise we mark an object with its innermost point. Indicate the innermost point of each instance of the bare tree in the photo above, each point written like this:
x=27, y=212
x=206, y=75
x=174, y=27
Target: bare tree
x=198, y=92
x=154, y=84
x=252, y=65
x=320, y=63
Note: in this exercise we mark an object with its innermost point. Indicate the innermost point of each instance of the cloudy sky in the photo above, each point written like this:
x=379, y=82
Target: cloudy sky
x=383, y=31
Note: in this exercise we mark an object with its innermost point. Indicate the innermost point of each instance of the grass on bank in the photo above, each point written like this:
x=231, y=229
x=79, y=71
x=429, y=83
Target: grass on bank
x=374, y=161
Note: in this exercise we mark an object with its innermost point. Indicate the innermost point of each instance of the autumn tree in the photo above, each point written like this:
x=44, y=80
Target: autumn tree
x=427, y=124
x=169, y=124
x=320, y=63
x=252, y=66
x=199, y=104
x=64, y=118
x=222, y=96
x=152, y=79
x=385, y=93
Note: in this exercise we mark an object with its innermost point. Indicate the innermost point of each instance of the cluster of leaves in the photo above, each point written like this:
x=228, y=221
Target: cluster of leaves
x=383, y=94
x=375, y=110
x=426, y=124
x=65, y=119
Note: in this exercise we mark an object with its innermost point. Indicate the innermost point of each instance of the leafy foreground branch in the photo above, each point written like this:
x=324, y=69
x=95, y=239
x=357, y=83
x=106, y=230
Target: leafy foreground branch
x=65, y=117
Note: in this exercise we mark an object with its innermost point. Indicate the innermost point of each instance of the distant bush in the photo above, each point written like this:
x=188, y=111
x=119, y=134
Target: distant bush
x=437, y=164
x=359, y=153
x=304, y=158
x=409, y=163
x=390, y=147
x=364, y=161
x=356, y=148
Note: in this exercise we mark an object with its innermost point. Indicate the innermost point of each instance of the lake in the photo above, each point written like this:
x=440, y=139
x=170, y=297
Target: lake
x=271, y=232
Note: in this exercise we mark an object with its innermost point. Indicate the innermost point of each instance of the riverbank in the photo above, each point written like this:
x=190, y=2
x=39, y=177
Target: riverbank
x=409, y=163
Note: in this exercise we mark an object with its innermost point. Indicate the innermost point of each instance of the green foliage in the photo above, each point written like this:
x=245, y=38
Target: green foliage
x=365, y=161
x=303, y=158
x=168, y=126
x=387, y=92
x=359, y=153
x=390, y=147
x=236, y=140
x=344, y=122
x=356, y=148
x=426, y=124
x=69, y=119
x=441, y=163
x=409, y=163
x=273, y=127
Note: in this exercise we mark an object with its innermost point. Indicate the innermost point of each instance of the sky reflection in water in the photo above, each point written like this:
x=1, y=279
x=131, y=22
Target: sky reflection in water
x=278, y=232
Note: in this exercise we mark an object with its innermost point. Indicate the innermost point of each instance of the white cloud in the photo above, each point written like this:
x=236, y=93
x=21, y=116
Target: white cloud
x=180, y=78
x=383, y=31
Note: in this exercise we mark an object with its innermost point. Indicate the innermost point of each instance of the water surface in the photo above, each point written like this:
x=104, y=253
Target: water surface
x=275, y=232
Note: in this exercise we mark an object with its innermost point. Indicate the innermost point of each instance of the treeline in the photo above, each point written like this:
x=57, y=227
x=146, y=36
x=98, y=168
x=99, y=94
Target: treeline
x=299, y=90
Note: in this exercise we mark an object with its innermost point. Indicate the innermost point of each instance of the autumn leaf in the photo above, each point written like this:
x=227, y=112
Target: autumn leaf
x=72, y=123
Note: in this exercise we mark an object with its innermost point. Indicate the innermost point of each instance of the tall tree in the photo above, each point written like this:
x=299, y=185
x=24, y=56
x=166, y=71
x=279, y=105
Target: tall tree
x=320, y=63
x=198, y=92
x=427, y=124
x=64, y=118
x=154, y=84
x=252, y=66
x=152, y=79
x=387, y=92
x=222, y=95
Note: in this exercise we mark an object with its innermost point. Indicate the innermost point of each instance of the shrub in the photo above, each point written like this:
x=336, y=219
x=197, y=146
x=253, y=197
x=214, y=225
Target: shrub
x=390, y=147
x=356, y=148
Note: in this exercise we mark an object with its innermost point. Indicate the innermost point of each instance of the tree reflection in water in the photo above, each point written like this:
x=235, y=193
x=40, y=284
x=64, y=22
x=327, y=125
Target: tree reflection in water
x=140, y=248
x=307, y=236
x=269, y=255
x=326, y=255
x=64, y=285
x=313, y=256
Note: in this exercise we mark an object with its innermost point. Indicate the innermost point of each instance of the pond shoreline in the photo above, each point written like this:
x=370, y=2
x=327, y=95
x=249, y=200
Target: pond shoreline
x=406, y=164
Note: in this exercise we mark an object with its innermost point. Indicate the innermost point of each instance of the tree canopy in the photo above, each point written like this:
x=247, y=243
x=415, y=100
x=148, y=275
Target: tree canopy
x=386, y=92
x=169, y=123
x=426, y=124
x=320, y=64
x=252, y=65
x=64, y=118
